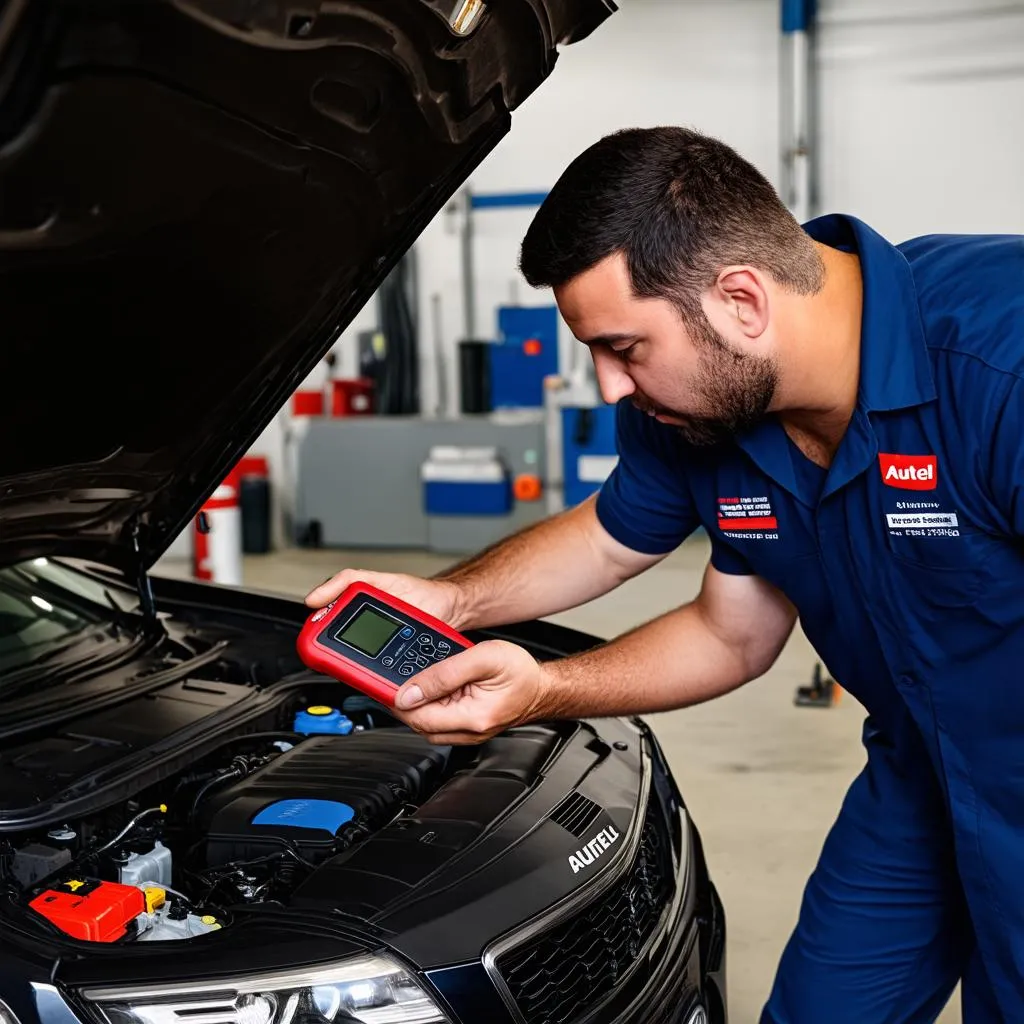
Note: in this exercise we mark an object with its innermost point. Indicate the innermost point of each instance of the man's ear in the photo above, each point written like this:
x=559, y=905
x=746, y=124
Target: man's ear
x=741, y=296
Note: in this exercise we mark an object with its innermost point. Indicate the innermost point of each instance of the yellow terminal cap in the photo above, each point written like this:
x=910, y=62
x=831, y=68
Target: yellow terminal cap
x=154, y=898
x=163, y=808
x=319, y=709
x=208, y=919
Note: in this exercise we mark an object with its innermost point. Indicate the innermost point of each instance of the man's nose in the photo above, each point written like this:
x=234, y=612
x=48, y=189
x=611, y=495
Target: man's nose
x=612, y=380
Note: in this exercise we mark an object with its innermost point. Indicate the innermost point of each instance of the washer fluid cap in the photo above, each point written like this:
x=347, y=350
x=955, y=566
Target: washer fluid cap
x=322, y=719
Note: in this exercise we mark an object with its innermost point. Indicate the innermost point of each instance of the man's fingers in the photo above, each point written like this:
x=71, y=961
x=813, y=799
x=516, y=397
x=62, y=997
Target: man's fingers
x=440, y=721
x=331, y=588
x=455, y=739
x=434, y=683
x=444, y=679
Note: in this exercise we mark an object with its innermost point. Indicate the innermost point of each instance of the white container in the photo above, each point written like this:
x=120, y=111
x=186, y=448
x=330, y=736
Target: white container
x=154, y=867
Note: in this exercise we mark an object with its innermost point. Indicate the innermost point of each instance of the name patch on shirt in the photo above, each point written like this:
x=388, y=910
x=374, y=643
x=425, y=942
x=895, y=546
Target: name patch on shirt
x=922, y=519
x=909, y=472
x=748, y=518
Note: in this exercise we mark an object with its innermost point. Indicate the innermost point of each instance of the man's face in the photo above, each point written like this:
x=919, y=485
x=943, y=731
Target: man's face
x=687, y=375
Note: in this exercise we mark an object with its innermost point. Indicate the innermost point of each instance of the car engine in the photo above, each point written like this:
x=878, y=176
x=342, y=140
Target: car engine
x=250, y=824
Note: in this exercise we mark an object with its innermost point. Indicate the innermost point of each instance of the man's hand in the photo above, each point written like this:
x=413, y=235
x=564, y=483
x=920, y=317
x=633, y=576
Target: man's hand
x=473, y=695
x=436, y=597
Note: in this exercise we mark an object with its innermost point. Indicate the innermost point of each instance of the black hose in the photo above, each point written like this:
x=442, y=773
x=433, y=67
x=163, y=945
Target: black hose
x=235, y=773
x=398, y=383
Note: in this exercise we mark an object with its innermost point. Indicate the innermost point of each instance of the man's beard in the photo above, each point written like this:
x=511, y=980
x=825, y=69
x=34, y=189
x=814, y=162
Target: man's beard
x=739, y=388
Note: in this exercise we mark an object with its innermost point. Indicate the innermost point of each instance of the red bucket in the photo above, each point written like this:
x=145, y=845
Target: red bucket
x=352, y=397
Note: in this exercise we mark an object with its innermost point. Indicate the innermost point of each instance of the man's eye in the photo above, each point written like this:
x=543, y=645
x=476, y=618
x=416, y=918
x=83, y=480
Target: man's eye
x=625, y=351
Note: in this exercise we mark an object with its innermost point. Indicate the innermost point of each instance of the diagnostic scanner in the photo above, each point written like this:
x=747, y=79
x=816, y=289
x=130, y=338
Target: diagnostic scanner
x=375, y=642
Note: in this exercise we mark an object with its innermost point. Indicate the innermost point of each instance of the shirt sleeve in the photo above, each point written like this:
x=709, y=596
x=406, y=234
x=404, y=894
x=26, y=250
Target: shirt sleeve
x=728, y=560
x=1007, y=463
x=646, y=503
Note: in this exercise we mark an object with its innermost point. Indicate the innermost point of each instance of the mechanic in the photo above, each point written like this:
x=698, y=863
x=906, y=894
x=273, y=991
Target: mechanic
x=844, y=417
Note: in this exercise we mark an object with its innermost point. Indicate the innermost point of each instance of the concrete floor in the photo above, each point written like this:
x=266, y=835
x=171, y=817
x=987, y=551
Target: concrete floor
x=763, y=779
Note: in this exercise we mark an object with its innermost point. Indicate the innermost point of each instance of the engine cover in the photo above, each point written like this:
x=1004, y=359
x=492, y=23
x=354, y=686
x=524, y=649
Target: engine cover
x=313, y=792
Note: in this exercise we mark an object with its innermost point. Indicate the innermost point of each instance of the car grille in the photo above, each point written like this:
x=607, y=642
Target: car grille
x=561, y=975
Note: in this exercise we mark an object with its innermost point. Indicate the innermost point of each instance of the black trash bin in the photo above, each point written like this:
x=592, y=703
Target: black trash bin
x=475, y=376
x=254, y=498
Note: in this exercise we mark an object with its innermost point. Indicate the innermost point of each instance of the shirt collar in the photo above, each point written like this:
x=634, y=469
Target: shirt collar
x=895, y=370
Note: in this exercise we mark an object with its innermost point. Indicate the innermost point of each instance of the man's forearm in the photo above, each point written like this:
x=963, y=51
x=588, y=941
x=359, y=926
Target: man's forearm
x=557, y=564
x=673, y=662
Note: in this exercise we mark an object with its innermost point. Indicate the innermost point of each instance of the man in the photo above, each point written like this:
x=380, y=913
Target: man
x=844, y=418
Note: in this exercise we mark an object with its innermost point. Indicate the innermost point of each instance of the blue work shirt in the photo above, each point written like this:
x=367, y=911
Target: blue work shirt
x=905, y=558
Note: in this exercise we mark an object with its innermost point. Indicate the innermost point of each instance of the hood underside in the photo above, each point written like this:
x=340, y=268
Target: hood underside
x=195, y=199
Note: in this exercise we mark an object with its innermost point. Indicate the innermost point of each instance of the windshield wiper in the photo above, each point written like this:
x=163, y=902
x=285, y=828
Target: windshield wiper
x=64, y=658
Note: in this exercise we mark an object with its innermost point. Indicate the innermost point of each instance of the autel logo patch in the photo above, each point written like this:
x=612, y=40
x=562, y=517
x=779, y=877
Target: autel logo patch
x=597, y=846
x=910, y=472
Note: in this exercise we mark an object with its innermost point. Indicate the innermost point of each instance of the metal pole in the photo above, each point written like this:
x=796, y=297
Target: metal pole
x=441, y=405
x=468, y=280
x=798, y=85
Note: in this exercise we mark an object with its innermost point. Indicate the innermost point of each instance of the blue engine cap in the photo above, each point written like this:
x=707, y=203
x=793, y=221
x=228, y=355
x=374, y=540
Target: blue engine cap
x=326, y=815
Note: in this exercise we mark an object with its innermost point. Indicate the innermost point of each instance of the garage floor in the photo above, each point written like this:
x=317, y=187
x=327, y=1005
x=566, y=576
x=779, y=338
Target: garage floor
x=763, y=779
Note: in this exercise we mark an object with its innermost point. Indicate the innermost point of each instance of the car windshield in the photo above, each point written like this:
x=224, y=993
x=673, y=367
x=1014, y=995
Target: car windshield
x=45, y=606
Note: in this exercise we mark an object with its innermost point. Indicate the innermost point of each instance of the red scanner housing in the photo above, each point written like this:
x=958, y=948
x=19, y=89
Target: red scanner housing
x=374, y=641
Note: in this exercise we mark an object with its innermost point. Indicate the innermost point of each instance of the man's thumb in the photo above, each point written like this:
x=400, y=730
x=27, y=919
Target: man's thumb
x=432, y=683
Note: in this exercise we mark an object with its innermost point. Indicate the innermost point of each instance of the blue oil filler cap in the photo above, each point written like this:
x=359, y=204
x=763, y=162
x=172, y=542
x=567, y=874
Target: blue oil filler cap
x=327, y=815
x=321, y=719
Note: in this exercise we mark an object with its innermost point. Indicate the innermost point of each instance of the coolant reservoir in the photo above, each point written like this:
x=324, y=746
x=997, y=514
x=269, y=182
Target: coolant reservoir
x=167, y=928
x=153, y=867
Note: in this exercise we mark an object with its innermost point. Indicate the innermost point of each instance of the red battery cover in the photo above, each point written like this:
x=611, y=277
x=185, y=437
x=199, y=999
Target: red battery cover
x=90, y=909
x=323, y=659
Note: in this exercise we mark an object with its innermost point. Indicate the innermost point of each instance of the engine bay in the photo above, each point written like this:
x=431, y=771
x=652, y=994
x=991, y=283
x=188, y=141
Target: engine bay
x=251, y=823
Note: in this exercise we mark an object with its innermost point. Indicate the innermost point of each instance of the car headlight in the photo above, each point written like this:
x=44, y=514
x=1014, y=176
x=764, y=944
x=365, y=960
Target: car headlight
x=365, y=989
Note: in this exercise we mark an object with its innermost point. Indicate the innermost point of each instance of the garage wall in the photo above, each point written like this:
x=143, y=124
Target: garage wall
x=922, y=113
x=921, y=129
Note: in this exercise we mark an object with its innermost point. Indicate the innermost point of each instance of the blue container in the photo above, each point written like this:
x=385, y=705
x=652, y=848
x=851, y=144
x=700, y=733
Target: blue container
x=450, y=498
x=321, y=719
x=461, y=481
x=589, y=450
x=526, y=353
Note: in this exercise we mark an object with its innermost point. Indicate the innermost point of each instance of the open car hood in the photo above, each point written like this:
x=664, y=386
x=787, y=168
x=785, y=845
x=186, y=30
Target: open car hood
x=195, y=199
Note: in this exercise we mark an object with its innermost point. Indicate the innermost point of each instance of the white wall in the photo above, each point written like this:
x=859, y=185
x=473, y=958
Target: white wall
x=922, y=114
x=921, y=129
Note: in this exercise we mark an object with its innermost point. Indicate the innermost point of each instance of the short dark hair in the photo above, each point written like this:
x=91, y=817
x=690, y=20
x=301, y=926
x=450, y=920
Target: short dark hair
x=680, y=206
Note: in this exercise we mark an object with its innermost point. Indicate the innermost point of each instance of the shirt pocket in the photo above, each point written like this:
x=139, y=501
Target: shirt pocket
x=943, y=570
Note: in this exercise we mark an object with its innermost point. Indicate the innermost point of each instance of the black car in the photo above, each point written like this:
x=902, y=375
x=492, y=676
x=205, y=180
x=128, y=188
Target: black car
x=195, y=197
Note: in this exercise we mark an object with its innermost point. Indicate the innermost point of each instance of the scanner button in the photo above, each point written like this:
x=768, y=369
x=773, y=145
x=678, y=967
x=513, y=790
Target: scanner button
x=408, y=632
x=406, y=669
